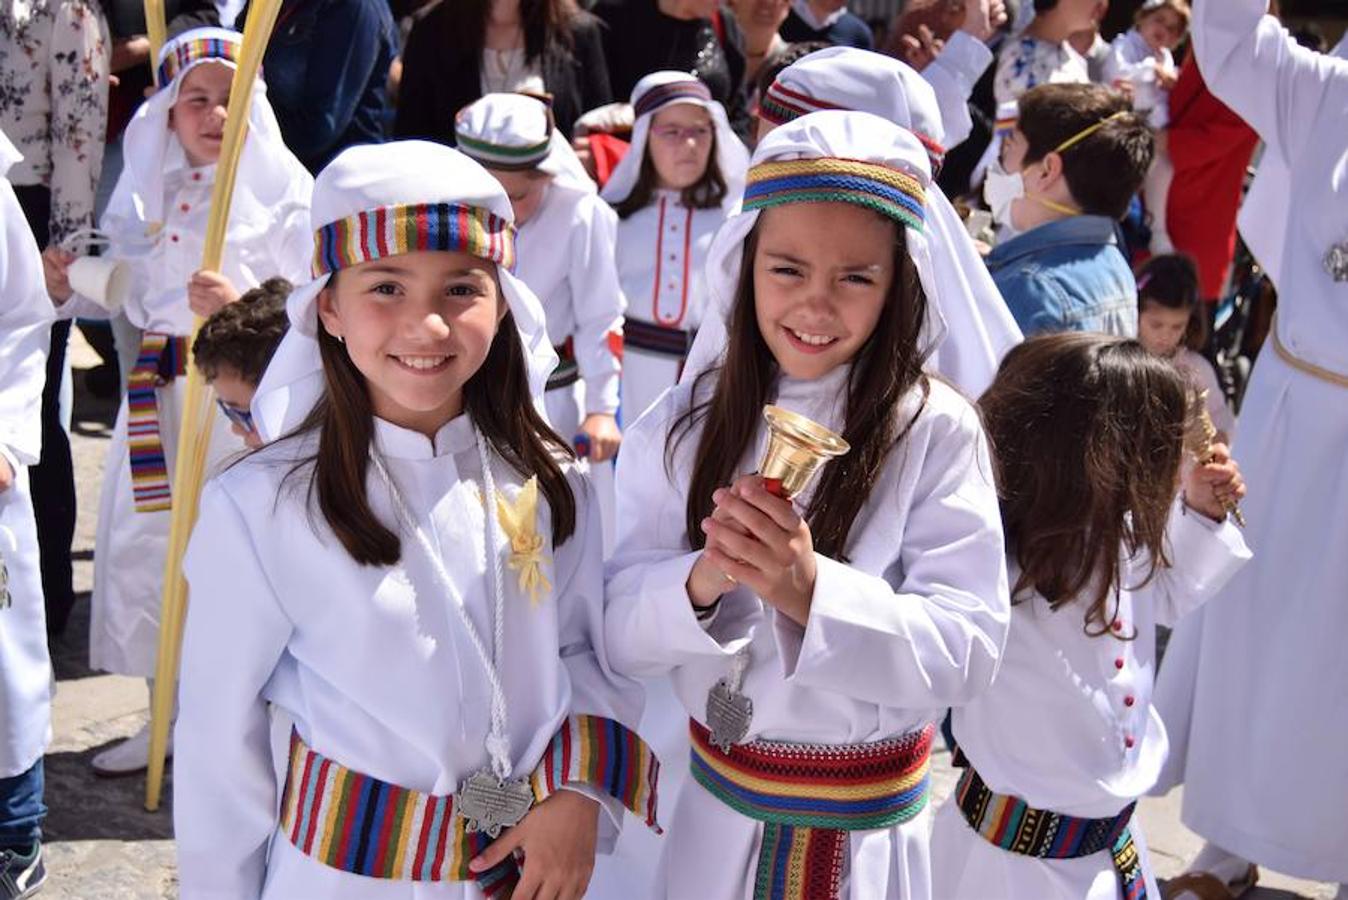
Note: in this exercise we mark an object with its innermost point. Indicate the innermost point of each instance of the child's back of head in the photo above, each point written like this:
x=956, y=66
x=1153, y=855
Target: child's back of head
x=241, y=338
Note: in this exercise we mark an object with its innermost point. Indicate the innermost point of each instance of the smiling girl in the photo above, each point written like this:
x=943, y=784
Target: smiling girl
x=156, y=223
x=842, y=624
x=412, y=575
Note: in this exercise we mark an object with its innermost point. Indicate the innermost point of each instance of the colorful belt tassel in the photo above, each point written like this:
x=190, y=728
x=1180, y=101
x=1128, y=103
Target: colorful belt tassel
x=1015, y=826
x=162, y=357
x=809, y=796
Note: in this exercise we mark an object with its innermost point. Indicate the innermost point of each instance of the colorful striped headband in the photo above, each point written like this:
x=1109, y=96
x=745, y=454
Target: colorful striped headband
x=192, y=50
x=885, y=190
x=394, y=230
x=664, y=94
x=503, y=156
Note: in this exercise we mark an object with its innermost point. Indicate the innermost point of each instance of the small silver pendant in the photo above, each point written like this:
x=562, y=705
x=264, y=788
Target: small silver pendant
x=729, y=713
x=489, y=804
x=1336, y=261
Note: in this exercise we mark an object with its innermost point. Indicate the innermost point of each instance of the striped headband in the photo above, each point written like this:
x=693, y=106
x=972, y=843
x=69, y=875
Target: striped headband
x=504, y=156
x=885, y=190
x=394, y=230
x=189, y=51
x=664, y=94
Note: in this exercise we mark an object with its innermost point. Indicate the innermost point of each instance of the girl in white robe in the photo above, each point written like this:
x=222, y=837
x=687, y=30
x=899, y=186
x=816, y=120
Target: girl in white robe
x=1266, y=659
x=412, y=575
x=25, y=668
x=839, y=640
x=1057, y=752
x=682, y=176
x=156, y=224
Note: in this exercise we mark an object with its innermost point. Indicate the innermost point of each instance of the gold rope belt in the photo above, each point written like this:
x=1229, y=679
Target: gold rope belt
x=1302, y=365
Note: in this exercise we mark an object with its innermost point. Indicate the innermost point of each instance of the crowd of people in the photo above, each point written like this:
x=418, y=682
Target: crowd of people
x=485, y=568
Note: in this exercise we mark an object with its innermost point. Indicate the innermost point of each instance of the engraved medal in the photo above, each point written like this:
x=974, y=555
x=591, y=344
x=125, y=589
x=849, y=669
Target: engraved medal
x=489, y=804
x=729, y=713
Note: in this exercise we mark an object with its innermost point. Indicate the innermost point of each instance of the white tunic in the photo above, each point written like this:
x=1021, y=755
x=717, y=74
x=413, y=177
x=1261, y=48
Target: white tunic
x=25, y=328
x=1068, y=724
x=376, y=670
x=913, y=624
x=1268, y=661
x=129, y=570
x=952, y=75
x=662, y=250
x=1132, y=59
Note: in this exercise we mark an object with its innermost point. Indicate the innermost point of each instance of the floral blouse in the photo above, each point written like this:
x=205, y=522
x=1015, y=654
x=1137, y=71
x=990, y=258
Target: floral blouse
x=54, y=57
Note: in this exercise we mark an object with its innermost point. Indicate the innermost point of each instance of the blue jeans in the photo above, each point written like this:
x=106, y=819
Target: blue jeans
x=22, y=809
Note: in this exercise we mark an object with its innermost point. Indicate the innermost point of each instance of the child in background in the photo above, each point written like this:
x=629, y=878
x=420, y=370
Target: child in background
x=156, y=222
x=1144, y=57
x=673, y=189
x=233, y=347
x=1170, y=324
x=1043, y=53
x=1104, y=542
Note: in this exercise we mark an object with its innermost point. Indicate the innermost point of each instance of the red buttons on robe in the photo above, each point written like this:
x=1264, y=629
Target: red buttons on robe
x=184, y=207
x=1128, y=741
x=173, y=238
x=1117, y=625
x=1129, y=700
x=1118, y=663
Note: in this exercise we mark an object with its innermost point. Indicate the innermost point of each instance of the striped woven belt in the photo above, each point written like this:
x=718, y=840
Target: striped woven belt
x=1016, y=827
x=365, y=826
x=808, y=796
x=567, y=372
x=162, y=358
x=650, y=338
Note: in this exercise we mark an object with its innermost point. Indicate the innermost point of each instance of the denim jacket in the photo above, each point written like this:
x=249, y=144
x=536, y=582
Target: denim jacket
x=1068, y=275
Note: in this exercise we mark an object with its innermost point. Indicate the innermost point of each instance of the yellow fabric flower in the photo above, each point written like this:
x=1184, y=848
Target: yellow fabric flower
x=518, y=520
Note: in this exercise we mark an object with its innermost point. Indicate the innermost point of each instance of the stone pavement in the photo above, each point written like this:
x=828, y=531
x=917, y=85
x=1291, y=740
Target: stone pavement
x=103, y=845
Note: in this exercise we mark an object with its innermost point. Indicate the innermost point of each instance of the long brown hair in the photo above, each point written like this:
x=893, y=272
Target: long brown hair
x=544, y=21
x=705, y=193
x=496, y=397
x=1088, y=434
x=883, y=372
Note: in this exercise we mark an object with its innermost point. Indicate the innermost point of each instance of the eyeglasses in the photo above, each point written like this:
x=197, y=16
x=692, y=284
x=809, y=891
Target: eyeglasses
x=675, y=134
x=236, y=415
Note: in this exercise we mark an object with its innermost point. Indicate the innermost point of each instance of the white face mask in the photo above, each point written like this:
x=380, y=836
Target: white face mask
x=1000, y=189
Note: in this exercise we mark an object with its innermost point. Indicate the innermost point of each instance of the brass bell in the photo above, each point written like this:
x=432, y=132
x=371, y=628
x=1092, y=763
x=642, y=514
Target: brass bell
x=797, y=450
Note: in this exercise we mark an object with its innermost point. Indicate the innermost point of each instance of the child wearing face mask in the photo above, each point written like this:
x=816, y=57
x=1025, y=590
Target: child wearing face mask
x=156, y=224
x=1067, y=172
x=673, y=189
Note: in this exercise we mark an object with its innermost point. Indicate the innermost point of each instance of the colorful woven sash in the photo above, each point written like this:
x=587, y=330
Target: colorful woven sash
x=162, y=357
x=650, y=338
x=567, y=372
x=808, y=797
x=178, y=56
x=365, y=826
x=1014, y=826
x=394, y=230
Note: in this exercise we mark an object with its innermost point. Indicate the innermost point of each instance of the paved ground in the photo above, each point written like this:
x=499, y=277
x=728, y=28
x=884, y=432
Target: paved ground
x=102, y=845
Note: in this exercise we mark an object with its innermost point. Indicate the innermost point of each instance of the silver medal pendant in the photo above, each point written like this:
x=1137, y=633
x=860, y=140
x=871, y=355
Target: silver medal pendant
x=1336, y=261
x=489, y=804
x=728, y=715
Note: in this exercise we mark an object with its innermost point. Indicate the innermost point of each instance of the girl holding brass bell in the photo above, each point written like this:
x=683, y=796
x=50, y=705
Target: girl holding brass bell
x=814, y=640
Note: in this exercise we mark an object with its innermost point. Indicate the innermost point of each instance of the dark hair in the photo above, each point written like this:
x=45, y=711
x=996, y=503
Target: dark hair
x=244, y=335
x=1103, y=170
x=786, y=56
x=1088, y=435
x=705, y=193
x=1178, y=7
x=545, y=21
x=1171, y=280
x=497, y=398
x=885, y=370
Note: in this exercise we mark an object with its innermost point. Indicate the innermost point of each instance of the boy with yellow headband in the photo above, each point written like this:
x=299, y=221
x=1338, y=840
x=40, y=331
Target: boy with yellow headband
x=1066, y=174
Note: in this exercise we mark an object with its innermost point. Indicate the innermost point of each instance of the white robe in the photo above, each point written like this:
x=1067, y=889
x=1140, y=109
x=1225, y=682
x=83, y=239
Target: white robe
x=1131, y=59
x=375, y=669
x=1267, y=665
x=1056, y=727
x=952, y=75
x=129, y=569
x=662, y=250
x=25, y=328
x=915, y=623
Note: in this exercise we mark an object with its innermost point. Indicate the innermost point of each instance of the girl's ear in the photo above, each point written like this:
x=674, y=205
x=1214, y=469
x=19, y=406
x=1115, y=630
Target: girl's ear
x=327, y=312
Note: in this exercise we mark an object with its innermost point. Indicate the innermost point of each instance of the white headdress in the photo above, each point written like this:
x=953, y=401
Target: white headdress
x=517, y=132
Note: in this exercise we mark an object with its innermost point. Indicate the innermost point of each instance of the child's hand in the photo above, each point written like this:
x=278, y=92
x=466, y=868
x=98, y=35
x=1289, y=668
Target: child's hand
x=208, y=292
x=1166, y=77
x=56, y=271
x=557, y=838
x=605, y=438
x=759, y=540
x=982, y=18
x=6, y=475
x=1214, y=488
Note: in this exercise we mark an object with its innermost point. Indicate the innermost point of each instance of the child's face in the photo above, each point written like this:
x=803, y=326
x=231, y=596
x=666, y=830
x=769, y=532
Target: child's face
x=822, y=273
x=526, y=191
x=680, y=145
x=1162, y=29
x=418, y=326
x=1077, y=15
x=197, y=117
x=236, y=393
x=1161, y=329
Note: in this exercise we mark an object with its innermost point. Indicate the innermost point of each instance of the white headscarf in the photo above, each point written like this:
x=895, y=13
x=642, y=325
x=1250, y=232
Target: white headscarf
x=9, y=155
x=652, y=94
x=517, y=132
x=380, y=200
x=269, y=181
